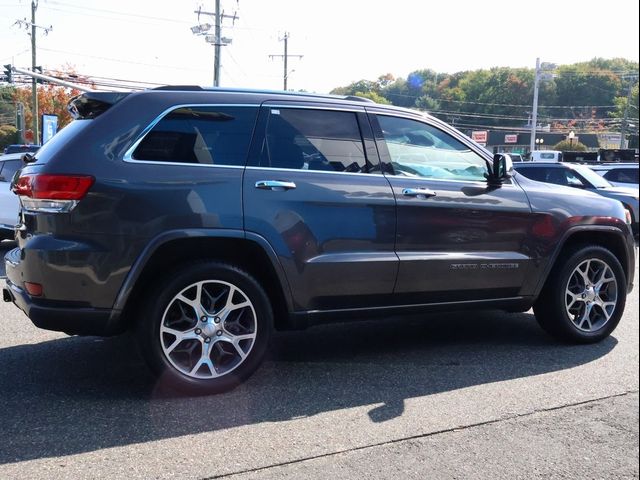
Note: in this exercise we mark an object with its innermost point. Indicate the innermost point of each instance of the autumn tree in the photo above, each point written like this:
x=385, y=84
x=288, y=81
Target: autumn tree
x=52, y=100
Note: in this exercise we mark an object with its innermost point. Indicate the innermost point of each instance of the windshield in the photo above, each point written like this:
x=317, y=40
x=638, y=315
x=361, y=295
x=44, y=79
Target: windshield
x=592, y=177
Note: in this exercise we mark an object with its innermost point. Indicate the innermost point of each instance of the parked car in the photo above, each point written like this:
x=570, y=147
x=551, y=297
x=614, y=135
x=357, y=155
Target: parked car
x=516, y=157
x=619, y=174
x=203, y=219
x=21, y=148
x=9, y=205
x=546, y=156
x=581, y=176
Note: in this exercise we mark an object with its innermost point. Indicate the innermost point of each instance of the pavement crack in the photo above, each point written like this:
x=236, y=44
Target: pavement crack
x=424, y=435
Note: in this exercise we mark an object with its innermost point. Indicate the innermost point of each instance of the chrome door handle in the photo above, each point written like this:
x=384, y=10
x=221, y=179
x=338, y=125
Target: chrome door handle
x=278, y=185
x=418, y=192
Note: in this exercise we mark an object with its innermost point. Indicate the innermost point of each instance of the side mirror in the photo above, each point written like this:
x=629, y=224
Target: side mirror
x=501, y=169
x=28, y=158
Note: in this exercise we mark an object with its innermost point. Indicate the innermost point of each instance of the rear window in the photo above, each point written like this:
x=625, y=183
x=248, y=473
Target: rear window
x=50, y=148
x=200, y=135
x=547, y=156
x=8, y=169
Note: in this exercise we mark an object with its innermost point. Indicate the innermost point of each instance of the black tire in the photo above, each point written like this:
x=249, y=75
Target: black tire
x=171, y=368
x=551, y=307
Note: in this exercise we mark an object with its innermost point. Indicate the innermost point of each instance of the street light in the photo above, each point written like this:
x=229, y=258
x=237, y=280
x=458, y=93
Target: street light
x=539, y=142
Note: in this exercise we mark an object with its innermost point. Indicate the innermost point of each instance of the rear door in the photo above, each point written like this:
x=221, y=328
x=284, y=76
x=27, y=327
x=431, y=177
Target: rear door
x=458, y=239
x=314, y=190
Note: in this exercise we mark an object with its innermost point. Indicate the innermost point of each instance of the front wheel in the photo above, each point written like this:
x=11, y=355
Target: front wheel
x=584, y=297
x=205, y=329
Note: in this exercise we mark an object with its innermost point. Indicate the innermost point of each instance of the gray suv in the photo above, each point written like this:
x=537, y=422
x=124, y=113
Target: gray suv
x=205, y=219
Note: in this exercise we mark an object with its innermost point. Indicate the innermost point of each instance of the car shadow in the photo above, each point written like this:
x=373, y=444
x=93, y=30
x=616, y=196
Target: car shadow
x=80, y=394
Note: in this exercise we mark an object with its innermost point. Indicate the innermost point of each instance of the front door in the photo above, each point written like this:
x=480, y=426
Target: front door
x=314, y=190
x=458, y=239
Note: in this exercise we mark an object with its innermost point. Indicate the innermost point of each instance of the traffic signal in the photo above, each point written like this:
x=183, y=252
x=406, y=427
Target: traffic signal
x=8, y=74
x=39, y=70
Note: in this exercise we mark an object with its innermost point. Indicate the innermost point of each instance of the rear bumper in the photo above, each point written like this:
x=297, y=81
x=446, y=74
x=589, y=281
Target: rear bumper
x=70, y=319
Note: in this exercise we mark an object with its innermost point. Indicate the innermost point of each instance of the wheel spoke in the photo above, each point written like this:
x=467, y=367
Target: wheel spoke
x=574, y=299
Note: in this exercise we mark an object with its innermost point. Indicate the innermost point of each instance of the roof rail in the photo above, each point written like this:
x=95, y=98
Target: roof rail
x=356, y=98
x=197, y=88
x=179, y=87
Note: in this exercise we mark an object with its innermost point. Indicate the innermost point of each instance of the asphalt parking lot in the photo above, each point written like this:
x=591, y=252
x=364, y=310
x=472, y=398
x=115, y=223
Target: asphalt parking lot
x=464, y=395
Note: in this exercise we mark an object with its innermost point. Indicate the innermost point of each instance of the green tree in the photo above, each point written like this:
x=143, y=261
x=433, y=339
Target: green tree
x=569, y=146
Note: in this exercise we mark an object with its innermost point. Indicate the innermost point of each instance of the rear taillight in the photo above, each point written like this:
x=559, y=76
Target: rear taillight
x=51, y=193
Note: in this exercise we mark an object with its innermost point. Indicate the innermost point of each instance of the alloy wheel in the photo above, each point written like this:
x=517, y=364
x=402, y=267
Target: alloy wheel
x=591, y=295
x=208, y=329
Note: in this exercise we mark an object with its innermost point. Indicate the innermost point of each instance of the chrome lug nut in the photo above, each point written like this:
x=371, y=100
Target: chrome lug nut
x=207, y=340
x=203, y=319
x=216, y=320
x=219, y=332
x=198, y=331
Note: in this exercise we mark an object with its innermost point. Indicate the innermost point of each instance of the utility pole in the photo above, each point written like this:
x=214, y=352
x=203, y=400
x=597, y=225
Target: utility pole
x=542, y=73
x=625, y=121
x=216, y=59
x=534, y=115
x=217, y=40
x=34, y=86
x=34, y=90
x=285, y=58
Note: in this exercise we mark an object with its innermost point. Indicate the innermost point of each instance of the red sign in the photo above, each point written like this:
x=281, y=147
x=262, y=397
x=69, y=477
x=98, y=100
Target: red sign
x=28, y=135
x=512, y=138
x=480, y=136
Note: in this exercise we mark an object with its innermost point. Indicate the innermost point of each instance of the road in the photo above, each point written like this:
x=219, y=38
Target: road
x=474, y=395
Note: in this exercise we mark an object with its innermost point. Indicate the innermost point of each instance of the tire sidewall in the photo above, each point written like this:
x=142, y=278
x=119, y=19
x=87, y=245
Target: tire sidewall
x=148, y=330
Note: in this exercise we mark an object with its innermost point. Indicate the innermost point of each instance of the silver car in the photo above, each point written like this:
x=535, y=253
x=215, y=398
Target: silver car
x=9, y=164
x=581, y=176
x=619, y=174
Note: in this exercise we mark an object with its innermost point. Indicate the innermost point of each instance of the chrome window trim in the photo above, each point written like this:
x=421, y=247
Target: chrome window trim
x=315, y=106
x=128, y=155
x=329, y=172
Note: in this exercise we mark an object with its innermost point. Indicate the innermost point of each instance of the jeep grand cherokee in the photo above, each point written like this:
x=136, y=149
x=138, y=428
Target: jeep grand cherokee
x=205, y=218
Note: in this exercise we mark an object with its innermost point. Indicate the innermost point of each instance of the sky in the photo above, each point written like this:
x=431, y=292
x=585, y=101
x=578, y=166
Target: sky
x=341, y=41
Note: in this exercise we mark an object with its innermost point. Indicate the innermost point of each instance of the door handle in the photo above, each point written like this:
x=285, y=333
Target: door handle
x=418, y=192
x=277, y=185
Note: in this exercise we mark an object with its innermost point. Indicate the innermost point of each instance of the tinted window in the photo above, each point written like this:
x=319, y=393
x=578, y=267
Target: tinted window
x=420, y=150
x=9, y=168
x=322, y=140
x=538, y=174
x=203, y=135
x=622, y=175
x=557, y=176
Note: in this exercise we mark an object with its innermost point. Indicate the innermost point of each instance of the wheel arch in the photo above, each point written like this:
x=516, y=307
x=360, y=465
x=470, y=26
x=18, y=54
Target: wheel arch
x=610, y=238
x=249, y=252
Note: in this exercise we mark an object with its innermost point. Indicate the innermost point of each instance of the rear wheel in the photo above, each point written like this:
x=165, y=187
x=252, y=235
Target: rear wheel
x=584, y=297
x=205, y=329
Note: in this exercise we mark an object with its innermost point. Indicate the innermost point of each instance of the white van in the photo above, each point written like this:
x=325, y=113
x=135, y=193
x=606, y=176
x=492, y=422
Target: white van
x=546, y=156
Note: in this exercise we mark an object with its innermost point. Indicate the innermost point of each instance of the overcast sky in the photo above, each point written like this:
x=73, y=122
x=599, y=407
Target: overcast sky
x=341, y=40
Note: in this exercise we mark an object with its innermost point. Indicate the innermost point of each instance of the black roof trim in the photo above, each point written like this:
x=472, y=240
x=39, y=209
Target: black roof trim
x=197, y=88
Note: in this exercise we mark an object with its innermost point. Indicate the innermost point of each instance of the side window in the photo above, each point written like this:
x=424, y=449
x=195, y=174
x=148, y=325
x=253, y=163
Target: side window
x=537, y=174
x=575, y=180
x=202, y=135
x=623, y=175
x=8, y=170
x=305, y=139
x=420, y=150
